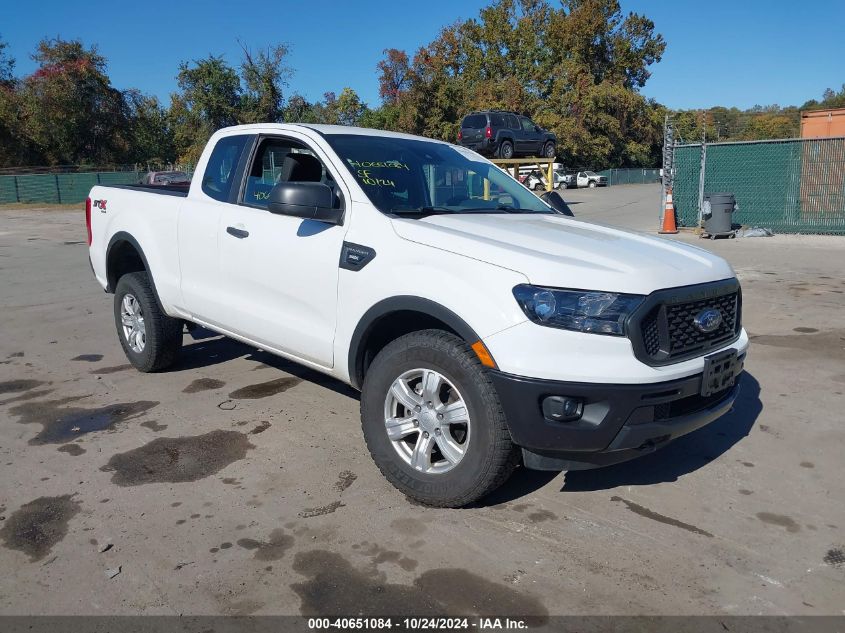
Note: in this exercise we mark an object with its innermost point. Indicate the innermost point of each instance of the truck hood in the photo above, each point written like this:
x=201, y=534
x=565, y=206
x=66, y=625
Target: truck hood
x=558, y=251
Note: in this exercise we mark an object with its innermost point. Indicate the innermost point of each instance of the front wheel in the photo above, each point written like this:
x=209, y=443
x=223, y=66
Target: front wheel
x=538, y=186
x=592, y=184
x=150, y=339
x=549, y=150
x=433, y=423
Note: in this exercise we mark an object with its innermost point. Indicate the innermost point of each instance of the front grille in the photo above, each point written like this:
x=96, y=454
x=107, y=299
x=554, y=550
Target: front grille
x=685, y=337
x=651, y=335
x=664, y=331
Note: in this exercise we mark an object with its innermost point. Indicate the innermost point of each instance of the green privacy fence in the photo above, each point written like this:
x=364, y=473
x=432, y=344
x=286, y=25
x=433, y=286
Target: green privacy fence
x=59, y=188
x=789, y=186
x=631, y=176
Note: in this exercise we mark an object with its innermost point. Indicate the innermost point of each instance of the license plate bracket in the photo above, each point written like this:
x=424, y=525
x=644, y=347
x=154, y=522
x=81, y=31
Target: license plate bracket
x=719, y=372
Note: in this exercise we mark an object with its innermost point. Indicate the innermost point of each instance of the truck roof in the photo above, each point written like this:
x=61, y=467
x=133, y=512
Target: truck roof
x=326, y=130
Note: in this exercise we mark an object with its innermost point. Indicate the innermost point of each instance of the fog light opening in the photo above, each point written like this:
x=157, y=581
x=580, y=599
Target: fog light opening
x=563, y=408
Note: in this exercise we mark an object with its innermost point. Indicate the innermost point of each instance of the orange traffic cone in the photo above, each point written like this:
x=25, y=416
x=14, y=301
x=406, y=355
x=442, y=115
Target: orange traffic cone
x=669, y=225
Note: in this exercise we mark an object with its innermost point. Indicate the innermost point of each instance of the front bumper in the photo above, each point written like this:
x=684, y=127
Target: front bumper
x=619, y=421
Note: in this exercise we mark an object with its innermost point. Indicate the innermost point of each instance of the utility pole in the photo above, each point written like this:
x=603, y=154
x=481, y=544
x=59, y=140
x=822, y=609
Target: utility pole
x=703, y=168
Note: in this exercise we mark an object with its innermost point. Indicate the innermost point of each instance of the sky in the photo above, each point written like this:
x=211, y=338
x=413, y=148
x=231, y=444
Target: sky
x=733, y=53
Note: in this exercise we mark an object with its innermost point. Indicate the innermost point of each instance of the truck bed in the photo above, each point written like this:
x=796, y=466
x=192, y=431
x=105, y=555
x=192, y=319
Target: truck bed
x=180, y=190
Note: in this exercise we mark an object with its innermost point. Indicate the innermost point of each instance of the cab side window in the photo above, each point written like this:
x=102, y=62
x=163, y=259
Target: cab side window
x=497, y=120
x=282, y=160
x=220, y=171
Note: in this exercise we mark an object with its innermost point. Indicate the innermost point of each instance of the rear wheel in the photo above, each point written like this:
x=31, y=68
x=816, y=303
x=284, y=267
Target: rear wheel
x=433, y=422
x=150, y=339
x=506, y=149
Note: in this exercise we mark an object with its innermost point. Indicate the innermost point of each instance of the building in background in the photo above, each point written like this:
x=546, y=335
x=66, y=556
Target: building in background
x=823, y=123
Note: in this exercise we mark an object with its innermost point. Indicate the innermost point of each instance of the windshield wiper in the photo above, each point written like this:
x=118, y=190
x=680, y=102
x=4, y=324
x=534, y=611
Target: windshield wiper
x=422, y=211
x=505, y=209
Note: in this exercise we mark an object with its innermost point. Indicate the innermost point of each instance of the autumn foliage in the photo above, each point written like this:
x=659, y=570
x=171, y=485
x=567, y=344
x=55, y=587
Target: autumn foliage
x=575, y=66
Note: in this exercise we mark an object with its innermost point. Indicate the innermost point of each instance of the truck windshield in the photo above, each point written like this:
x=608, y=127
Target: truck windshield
x=411, y=177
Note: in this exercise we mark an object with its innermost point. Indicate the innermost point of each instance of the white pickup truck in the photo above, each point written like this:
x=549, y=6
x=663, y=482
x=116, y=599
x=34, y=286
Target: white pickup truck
x=584, y=179
x=482, y=327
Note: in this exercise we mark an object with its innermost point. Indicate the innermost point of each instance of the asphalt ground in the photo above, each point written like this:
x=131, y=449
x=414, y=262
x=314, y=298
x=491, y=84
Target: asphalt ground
x=238, y=483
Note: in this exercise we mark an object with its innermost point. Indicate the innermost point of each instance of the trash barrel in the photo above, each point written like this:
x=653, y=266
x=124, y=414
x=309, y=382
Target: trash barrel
x=717, y=213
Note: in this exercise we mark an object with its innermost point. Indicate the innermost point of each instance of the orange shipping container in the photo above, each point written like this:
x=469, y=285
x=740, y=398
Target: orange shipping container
x=823, y=123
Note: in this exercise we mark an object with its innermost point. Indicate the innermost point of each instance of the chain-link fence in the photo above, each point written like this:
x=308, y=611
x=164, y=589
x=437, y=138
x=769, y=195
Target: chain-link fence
x=631, y=176
x=58, y=188
x=68, y=184
x=789, y=186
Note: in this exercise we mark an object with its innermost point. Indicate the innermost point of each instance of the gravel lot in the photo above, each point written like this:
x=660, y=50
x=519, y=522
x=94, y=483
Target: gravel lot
x=238, y=483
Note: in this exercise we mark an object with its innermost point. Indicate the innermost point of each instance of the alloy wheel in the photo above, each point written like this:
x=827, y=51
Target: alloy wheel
x=132, y=320
x=427, y=421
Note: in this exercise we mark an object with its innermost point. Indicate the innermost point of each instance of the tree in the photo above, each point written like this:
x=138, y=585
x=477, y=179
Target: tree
x=592, y=36
x=14, y=149
x=732, y=124
x=150, y=137
x=348, y=107
x=209, y=98
x=830, y=99
x=69, y=110
x=265, y=76
x=385, y=117
x=394, y=75
x=7, y=65
x=575, y=69
x=770, y=125
x=299, y=110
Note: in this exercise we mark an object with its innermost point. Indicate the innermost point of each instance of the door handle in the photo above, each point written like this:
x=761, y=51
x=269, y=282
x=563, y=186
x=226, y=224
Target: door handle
x=238, y=233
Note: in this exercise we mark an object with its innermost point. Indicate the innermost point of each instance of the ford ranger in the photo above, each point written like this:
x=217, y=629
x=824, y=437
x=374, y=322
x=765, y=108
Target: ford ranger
x=483, y=328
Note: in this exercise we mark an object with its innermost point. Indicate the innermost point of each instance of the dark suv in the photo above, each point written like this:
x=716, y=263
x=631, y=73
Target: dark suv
x=505, y=135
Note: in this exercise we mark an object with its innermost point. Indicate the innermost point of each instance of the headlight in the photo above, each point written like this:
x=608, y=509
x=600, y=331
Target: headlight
x=577, y=310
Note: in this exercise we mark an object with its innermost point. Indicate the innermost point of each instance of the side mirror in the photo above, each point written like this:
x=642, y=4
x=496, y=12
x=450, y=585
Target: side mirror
x=537, y=128
x=307, y=200
x=556, y=202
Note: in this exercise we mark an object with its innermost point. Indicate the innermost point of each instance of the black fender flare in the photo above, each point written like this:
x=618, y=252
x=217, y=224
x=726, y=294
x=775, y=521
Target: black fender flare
x=401, y=303
x=123, y=236
x=502, y=137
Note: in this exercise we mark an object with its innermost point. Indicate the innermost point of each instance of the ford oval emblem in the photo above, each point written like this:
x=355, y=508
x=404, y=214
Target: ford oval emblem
x=708, y=320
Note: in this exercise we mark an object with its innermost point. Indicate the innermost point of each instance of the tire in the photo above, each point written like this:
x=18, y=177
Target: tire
x=592, y=184
x=151, y=340
x=506, y=149
x=539, y=187
x=549, y=150
x=487, y=455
